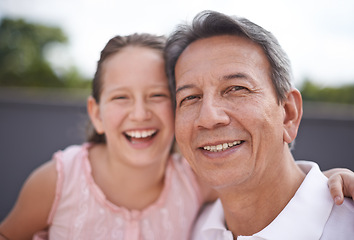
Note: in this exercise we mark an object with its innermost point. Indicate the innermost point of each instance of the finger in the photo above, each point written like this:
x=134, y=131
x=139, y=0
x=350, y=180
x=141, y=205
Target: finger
x=335, y=185
x=348, y=184
x=3, y=237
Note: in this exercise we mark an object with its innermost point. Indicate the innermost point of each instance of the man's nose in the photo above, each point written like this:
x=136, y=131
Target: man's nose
x=212, y=114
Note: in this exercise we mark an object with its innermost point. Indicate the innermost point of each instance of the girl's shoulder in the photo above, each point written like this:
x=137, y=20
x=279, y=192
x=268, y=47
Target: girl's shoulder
x=73, y=150
x=69, y=155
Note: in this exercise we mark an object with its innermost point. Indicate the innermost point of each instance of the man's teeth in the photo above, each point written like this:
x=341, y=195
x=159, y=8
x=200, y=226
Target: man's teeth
x=221, y=147
x=140, y=134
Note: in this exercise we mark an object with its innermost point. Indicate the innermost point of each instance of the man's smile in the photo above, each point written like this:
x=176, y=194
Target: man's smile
x=221, y=147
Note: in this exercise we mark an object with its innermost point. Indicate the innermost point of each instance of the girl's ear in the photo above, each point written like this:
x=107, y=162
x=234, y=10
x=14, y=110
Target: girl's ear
x=293, y=114
x=93, y=110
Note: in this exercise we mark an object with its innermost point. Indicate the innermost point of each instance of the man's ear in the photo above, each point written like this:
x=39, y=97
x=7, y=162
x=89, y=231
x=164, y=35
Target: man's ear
x=93, y=110
x=292, y=114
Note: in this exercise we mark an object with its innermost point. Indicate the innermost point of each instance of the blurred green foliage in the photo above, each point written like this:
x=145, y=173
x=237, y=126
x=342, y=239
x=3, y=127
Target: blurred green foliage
x=22, y=61
x=315, y=93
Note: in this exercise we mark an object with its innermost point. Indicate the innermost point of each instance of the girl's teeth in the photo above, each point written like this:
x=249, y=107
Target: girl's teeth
x=140, y=134
x=221, y=147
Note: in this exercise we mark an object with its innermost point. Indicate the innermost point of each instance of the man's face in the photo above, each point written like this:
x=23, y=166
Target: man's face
x=229, y=125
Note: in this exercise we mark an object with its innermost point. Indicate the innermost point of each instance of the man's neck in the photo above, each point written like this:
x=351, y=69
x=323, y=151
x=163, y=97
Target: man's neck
x=250, y=208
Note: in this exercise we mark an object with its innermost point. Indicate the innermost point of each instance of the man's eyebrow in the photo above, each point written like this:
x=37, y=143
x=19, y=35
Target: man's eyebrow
x=234, y=75
x=226, y=77
x=184, y=87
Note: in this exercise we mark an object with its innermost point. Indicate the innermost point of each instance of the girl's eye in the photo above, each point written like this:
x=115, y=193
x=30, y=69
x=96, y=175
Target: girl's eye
x=159, y=95
x=120, y=97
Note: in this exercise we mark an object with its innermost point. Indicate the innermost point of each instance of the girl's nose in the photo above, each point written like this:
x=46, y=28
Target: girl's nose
x=140, y=111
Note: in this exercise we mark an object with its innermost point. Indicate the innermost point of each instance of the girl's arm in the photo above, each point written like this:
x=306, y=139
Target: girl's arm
x=340, y=181
x=31, y=211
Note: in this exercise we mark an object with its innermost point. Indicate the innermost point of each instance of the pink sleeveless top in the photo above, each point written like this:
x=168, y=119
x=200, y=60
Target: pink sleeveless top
x=81, y=211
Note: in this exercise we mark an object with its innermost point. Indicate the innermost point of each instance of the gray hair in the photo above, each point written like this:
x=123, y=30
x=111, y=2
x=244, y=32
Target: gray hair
x=210, y=23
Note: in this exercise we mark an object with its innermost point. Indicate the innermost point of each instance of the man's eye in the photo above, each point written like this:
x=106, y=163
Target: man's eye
x=189, y=99
x=234, y=89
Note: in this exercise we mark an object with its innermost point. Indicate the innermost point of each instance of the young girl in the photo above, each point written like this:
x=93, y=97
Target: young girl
x=126, y=182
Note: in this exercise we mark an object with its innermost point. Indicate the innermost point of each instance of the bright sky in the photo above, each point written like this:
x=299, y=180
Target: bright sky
x=318, y=35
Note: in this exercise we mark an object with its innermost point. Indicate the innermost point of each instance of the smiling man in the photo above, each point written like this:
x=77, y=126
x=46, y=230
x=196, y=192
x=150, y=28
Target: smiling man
x=236, y=115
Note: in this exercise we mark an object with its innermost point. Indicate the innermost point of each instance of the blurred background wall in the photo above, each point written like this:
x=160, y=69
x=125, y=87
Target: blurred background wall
x=34, y=124
x=32, y=128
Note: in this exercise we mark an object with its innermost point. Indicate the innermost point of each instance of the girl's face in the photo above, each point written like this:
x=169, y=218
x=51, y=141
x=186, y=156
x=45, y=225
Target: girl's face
x=135, y=110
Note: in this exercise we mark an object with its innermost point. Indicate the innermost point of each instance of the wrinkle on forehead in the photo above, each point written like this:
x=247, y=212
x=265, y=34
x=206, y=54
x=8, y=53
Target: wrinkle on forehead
x=190, y=64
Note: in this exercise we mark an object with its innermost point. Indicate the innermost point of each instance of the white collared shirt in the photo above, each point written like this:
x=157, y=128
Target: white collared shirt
x=310, y=214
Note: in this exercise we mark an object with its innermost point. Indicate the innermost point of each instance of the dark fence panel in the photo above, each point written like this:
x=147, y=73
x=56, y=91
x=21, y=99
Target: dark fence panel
x=328, y=142
x=326, y=135
x=31, y=131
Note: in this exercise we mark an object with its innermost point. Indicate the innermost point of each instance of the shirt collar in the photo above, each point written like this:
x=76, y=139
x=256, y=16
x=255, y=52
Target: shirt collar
x=304, y=217
x=215, y=223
